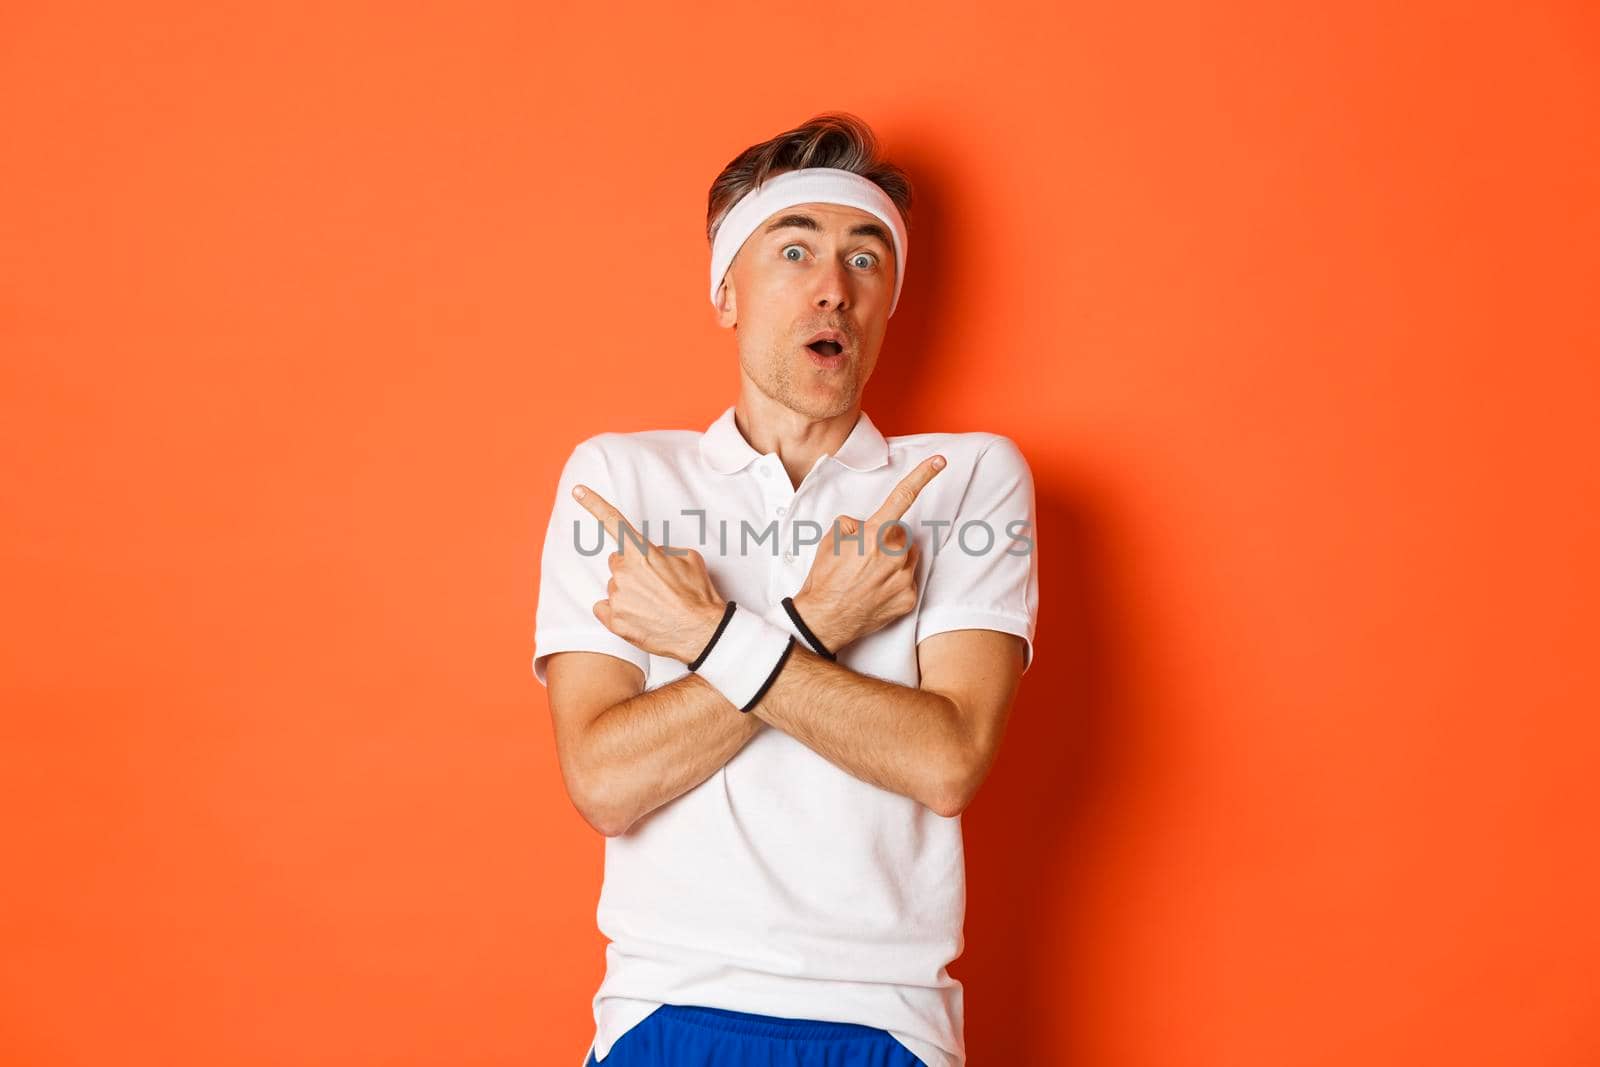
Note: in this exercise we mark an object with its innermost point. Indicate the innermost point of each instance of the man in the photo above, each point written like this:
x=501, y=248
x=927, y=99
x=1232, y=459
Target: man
x=778, y=694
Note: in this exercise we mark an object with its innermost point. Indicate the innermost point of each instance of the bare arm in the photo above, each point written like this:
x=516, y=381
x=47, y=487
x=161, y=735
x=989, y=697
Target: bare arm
x=902, y=739
x=624, y=750
x=933, y=744
x=623, y=756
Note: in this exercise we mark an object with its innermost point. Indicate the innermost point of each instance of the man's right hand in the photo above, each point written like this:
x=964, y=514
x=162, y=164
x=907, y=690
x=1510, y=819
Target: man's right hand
x=856, y=586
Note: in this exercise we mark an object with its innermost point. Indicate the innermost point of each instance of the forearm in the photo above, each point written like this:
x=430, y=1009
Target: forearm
x=658, y=745
x=903, y=739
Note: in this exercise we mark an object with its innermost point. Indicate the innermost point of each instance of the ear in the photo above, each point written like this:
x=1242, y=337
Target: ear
x=727, y=303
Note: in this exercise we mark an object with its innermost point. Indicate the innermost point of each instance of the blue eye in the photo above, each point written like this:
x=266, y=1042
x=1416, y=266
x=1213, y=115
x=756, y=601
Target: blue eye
x=796, y=248
x=871, y=260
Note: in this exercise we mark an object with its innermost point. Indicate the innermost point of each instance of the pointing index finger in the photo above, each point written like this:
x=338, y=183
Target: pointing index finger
x=612, y=519
x=902, y=496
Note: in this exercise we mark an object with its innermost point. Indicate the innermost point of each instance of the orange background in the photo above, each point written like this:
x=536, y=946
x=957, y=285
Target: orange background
x=1290, y=306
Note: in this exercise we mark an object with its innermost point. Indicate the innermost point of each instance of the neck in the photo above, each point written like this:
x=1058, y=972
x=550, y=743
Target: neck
x=797, y=438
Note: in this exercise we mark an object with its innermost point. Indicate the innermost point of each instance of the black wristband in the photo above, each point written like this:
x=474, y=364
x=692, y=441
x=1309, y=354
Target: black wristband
x=805, y=631
x=776, y=667
x=727, y=613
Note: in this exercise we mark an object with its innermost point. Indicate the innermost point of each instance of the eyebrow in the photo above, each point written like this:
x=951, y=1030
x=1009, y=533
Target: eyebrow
x=806, y=222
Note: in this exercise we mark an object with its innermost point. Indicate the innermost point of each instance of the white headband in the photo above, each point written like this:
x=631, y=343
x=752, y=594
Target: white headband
x=812, y=185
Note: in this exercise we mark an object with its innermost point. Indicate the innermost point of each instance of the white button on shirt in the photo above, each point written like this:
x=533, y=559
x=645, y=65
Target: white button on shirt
x=782, y=884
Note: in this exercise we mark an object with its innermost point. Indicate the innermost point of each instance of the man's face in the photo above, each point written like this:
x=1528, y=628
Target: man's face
x=810, y=270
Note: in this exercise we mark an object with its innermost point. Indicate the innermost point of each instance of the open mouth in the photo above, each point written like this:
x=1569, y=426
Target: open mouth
x=826, y=348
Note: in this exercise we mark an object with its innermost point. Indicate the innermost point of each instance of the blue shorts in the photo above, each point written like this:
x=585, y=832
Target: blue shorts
x=678, y=1035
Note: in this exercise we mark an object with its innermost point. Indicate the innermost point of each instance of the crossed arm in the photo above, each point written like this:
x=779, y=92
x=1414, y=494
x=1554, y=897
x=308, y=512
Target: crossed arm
x=626, y=751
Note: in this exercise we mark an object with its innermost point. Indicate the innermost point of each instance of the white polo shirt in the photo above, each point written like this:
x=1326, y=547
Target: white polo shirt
x=782, y=884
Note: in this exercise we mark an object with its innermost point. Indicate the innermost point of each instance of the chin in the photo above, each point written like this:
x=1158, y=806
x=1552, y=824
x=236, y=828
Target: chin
x=826, y=405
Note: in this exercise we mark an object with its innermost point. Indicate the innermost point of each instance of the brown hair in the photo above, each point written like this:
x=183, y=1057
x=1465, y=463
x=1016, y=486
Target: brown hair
x=833, y=139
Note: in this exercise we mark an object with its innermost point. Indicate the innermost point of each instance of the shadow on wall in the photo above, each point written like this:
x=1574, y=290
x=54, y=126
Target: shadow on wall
x=910, y=360
x=1036, y=855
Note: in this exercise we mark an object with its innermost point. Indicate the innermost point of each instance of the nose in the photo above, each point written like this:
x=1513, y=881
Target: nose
x=832, y=286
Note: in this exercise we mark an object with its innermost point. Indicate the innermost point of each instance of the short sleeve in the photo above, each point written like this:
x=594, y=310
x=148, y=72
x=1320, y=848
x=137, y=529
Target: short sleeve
x=985, y=574
x=574, y=572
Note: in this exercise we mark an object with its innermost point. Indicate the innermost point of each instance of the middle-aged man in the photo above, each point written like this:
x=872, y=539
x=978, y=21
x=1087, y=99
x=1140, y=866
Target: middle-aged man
x=779, y=693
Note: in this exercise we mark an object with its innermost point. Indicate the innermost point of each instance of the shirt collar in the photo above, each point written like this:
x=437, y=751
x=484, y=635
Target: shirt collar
x=726, y=451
